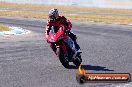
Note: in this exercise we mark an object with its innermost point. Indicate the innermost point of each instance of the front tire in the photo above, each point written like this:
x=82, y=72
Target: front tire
x=64, y=60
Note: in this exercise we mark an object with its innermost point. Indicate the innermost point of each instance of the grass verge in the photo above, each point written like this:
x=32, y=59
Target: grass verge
x=95, y=18
x=79, y=17
x=4, y=28
x=64, y=8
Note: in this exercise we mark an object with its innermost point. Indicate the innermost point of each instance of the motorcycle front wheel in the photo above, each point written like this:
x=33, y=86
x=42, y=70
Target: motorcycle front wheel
x=64, y=60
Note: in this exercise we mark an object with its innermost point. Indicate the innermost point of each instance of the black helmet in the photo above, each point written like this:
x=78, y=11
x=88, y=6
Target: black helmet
x=53, y=14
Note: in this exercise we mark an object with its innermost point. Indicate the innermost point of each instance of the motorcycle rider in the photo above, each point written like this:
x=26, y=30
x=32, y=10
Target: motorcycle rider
x=56, y=20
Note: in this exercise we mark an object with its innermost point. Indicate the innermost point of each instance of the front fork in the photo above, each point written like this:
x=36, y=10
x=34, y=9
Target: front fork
x=66, y=50
x=63, y=46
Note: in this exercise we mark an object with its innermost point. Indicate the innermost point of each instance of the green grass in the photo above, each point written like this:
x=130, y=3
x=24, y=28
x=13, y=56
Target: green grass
x=4, y=28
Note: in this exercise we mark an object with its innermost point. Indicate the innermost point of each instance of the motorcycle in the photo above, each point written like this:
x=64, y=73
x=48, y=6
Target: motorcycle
x=57, y=38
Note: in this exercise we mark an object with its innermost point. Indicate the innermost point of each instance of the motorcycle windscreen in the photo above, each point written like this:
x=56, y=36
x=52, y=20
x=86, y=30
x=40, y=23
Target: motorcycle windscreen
x=55, y=33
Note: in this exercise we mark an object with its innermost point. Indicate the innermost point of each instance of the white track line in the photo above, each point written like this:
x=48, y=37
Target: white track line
x=15, y=31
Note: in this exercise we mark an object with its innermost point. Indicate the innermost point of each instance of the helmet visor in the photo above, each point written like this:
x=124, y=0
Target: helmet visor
x=51, y=17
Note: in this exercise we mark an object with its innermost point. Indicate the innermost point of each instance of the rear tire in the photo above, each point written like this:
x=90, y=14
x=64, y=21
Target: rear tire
x=64, y=61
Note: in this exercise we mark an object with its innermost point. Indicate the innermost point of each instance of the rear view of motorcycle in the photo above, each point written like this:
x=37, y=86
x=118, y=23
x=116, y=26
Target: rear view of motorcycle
x=61, y=48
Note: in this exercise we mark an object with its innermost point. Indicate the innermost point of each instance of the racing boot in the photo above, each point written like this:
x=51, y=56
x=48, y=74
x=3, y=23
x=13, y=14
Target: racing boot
x=77, y=53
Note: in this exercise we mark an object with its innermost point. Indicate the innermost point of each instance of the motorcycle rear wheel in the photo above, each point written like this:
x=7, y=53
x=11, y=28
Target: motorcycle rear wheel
x=64, y=61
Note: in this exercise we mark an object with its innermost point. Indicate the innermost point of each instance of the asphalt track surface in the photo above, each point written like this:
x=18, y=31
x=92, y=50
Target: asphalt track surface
x=28, y=61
